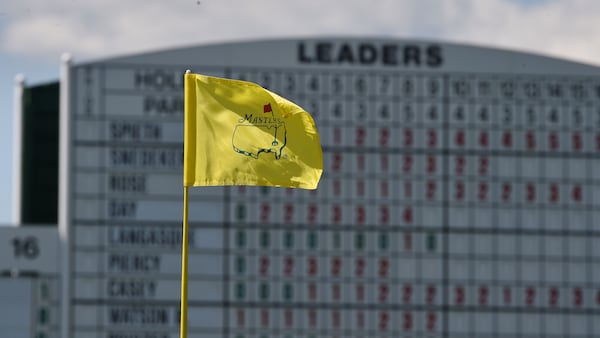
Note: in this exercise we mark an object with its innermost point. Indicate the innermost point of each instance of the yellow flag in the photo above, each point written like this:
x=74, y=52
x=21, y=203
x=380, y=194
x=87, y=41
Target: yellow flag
x=238, y=133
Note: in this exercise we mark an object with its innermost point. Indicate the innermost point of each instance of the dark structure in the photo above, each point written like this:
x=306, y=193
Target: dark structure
x=39, y=179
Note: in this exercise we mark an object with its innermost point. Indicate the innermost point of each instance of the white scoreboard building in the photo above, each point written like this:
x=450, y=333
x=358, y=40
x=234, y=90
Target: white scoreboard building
x=460, y=197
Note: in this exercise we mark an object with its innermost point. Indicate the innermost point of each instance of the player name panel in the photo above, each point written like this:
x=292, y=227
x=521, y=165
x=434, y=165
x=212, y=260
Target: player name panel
x=453, y=203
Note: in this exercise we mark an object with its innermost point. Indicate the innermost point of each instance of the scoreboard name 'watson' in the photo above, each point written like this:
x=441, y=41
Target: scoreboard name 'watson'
x=386, y=54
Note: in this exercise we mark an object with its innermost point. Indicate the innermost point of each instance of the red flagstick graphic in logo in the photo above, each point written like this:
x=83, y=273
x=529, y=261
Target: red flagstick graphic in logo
x=267, y=108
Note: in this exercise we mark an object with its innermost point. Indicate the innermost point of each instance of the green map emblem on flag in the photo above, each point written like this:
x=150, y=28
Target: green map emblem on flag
x=254, y=135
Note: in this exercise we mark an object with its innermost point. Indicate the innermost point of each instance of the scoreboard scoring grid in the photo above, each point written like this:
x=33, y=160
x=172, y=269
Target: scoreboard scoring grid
x=452, y=204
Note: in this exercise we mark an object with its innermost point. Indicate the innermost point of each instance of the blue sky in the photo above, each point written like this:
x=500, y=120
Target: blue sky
x=34, y=33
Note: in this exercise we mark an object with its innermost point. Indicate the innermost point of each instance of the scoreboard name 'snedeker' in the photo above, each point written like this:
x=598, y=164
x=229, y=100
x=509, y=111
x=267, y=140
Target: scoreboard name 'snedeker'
x=387, y=54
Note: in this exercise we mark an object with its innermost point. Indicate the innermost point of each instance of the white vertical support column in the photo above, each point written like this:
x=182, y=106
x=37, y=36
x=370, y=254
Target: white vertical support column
x=17, y=149
x=64, y=189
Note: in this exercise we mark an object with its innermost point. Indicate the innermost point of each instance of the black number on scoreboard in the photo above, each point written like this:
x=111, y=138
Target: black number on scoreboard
x=27, y=247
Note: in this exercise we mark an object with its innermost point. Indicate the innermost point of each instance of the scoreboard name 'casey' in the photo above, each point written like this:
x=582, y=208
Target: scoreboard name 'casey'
x=387, y=54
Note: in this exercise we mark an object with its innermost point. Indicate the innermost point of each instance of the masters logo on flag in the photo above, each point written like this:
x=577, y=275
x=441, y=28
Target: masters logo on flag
x=238, y=133
x=271, y=127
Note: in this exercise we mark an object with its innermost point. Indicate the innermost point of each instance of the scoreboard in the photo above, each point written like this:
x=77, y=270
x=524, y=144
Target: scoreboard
x=460, y=195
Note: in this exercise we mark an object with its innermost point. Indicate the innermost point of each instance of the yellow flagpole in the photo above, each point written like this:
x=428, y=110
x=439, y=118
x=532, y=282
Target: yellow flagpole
x=184, y=267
